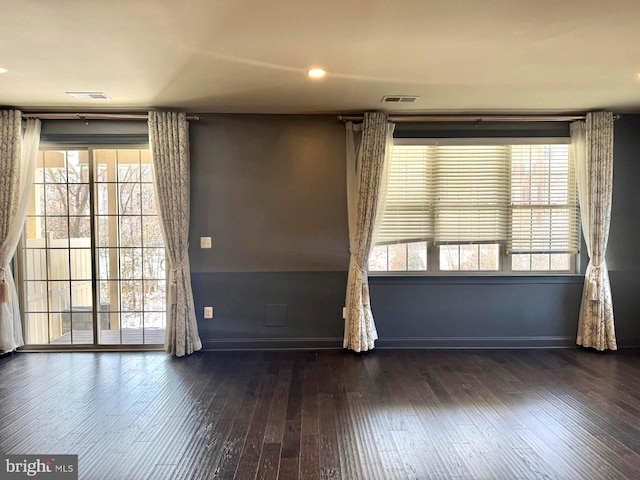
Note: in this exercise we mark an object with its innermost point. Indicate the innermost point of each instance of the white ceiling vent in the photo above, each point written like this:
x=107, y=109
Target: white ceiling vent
x=89, y=95
x=400, y=98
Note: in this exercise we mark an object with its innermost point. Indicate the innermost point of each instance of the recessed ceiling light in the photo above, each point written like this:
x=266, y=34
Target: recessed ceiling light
x=316, y=73
x=3, y=70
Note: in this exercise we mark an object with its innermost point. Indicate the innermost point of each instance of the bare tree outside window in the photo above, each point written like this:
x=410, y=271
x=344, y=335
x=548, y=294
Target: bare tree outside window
x=411, y=257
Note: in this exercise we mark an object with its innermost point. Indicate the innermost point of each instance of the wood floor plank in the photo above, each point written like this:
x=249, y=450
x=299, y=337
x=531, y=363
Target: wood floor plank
x=289, y=468
x=328, y=415
x=269, y=462
x=309, y=457
x=327, y=440
x=293, y=416
x=278, y=414
x=252, y=450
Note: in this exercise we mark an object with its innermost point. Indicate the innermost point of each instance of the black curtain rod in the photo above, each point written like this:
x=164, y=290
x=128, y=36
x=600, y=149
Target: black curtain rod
x=469, y=118
x=93, y=116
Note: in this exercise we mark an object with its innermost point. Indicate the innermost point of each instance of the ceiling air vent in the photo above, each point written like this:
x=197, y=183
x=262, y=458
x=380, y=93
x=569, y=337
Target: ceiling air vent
x=400, y=98
x=89, y=95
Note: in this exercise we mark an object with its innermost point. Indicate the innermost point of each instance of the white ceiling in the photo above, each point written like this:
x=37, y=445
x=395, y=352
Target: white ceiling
x=476, y=56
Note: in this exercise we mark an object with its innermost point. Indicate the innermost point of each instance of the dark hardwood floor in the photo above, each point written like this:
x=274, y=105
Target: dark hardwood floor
x=385, y=415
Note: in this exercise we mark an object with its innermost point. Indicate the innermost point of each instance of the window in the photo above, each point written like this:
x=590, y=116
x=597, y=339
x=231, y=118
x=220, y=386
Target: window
x=93, y=252
x=487, y=206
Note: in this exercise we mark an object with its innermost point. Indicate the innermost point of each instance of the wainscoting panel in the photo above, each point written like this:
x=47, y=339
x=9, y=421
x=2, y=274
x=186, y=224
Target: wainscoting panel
x=410, y=312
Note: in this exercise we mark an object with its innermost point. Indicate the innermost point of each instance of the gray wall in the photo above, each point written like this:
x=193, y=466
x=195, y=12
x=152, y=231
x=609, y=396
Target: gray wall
x=623, y=254
x=270, y=190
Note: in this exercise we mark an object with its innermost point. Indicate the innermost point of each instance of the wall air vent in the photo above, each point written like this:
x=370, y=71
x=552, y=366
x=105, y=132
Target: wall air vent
x=89, y=95
x=400, y=98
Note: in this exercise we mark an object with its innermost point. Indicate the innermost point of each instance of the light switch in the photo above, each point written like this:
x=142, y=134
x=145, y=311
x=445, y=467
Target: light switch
x=208, y=312
x=205, y=242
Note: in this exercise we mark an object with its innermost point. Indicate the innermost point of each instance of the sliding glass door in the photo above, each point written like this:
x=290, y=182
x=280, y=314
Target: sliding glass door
x=93, y=259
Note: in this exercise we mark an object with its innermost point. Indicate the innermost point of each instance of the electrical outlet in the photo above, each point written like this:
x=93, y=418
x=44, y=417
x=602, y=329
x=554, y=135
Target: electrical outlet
x=208, y=312
x=205, y=242
x=344, y=312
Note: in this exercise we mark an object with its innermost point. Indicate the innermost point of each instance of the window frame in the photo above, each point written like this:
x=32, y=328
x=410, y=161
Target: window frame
x=505, y=267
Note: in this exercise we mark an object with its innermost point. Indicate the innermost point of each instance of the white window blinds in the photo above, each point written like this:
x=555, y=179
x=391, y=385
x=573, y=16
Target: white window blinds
x=408, y=214
x=544, y=216
x=523, y=196
x=472, y=192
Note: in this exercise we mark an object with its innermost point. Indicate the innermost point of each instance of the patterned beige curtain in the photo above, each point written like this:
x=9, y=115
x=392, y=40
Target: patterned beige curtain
x=366, y=155
x=17, y=167
x=169, y=139
x=593, y=156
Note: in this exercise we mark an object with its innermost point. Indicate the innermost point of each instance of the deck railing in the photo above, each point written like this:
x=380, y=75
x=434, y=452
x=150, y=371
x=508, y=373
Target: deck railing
x=63, y=270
